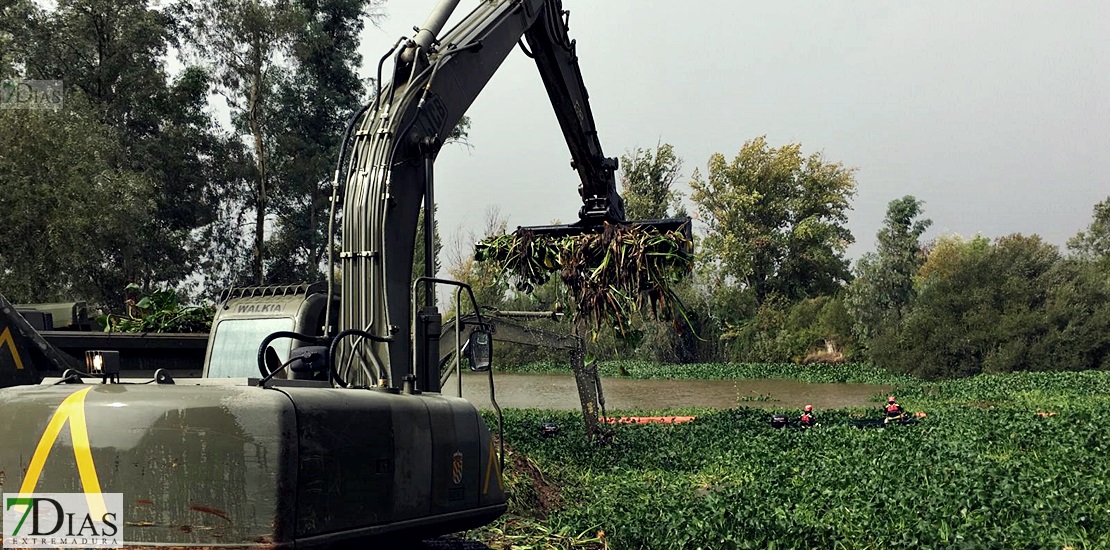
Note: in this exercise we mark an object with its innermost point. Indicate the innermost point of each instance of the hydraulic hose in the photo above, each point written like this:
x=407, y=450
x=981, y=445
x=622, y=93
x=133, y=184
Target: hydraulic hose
x=335, y=347
x=274, y=336
x=331, y=214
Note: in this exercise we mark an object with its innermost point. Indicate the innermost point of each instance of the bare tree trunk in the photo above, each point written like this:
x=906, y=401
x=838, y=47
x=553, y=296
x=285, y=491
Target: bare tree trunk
x=315, y=252
x=586, y=379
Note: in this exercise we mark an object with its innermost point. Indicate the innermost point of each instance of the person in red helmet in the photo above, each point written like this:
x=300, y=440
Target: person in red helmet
x=808, y=419
x=894, y=411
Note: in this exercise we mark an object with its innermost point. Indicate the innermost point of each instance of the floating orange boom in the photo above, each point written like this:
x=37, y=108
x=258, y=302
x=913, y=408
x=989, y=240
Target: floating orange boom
x=649, y=419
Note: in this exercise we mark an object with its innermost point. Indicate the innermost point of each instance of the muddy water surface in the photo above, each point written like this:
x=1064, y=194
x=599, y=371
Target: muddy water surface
x=558, y=392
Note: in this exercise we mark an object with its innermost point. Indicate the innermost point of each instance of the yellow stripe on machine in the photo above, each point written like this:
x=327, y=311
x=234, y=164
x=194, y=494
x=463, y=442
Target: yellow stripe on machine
x=72, y=410
x=6, y=338
x=492, y=467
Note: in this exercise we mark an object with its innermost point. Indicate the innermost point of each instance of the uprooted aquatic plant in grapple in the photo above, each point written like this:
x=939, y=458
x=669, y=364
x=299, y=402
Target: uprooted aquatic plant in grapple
x=608, y=275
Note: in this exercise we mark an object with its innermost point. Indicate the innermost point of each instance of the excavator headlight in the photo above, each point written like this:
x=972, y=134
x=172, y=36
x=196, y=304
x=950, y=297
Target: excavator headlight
x=102, y=362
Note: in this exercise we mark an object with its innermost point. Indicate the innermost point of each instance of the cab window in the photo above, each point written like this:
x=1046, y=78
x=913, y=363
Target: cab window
x=235, y=346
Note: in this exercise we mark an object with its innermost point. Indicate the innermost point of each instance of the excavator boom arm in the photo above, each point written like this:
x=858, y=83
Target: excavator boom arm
x=395, y=145
x=557, y=60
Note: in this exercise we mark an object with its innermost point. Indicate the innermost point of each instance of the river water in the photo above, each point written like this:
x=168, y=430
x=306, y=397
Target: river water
x=558, y=392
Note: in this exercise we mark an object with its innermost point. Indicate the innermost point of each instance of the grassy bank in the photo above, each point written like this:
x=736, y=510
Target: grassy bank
x=853, y=373
x=1002, y=461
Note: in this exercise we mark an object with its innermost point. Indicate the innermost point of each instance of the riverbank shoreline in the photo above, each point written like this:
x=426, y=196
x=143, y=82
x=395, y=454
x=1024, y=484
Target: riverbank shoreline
x=848, y=373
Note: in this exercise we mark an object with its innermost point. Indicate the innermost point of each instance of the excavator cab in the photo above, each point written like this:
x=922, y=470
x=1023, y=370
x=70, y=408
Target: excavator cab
x=247, y=315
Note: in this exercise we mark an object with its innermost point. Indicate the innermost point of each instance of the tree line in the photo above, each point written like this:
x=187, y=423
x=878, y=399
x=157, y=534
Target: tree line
x=137, y=180
x=773, y=284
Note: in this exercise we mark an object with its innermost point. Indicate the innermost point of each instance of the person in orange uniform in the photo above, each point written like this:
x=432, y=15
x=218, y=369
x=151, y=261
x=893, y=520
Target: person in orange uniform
x=894, y=411
x=808, y=419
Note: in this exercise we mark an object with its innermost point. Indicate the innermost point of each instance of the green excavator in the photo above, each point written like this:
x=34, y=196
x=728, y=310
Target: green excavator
x=319, y=418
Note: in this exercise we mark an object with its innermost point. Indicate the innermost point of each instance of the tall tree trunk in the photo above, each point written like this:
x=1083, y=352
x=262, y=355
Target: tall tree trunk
x=315, y=252
x=253, y=107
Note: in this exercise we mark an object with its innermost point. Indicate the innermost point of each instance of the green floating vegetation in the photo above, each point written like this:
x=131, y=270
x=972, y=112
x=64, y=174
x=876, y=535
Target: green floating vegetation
x=1001, y=461
x=609, y=276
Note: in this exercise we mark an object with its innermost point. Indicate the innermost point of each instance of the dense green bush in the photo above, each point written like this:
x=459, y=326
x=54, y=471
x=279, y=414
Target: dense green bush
x=1011, y=305
x=983, y=470
x=784, y=331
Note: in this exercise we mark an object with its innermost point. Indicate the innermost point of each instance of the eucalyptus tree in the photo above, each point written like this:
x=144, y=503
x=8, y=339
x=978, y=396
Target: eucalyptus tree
x=883, y=285
x=243, y=43
x=647, y=183
x=319, y=92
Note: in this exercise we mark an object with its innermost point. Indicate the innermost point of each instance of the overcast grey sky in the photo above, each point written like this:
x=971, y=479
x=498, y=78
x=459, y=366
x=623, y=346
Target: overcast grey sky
x=995, y=113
